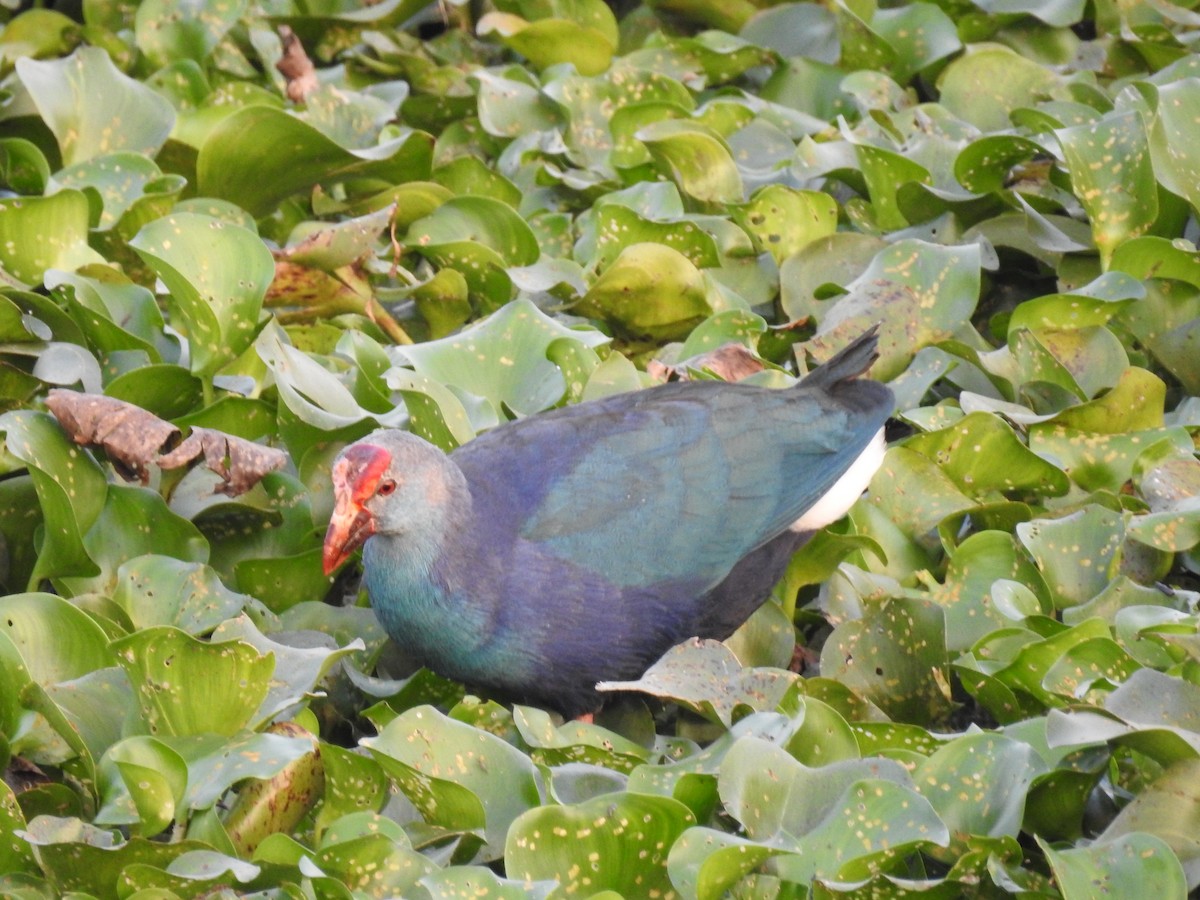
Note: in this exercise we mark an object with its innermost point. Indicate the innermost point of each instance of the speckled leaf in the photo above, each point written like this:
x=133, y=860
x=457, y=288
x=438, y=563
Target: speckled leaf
x=588, y=43
x=615, y=842
x=705, y=676
x=1111, y=173
x=1135, y=864
x=913, y=492
x=217, y=275
x=970, y=451
x=618, y=226
x=301, y=663
x=894, y=656
x=134, y=521
x=56, y=640
x=977, y=784
x=170, y=30
x=216, y=763
x=275, y=805
x=154, y=778
x=986, y=84
x=132, y=188
x=71, y=490
x=160, y=590
x=1074, y=553
x=885, y=172
x=93, y=109
x=462, y=882
x=784, y=220
x=917, y=290
x=967, y=594
x=41, y=233
x=695, y=158
x=458, y=777
x=239, y=162
x=1173, y=139
x=986, y=164
x=354, y=783
x=649, y=290
x=189, y=687
x=501, y=359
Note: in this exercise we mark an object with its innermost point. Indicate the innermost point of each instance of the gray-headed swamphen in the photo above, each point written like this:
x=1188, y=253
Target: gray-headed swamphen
x=579, y=545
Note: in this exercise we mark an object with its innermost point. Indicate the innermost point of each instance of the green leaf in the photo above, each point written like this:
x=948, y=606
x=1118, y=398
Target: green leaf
x=617, y=842
x=695, y=158
x=170, y=30
x=41, y=233
x=237, y=161
x=188, y=687
x=990, y=81
x=217, y=275
x=457, y=776
x=1111, y=173
x=71, y=489
x=93, y=109
x=649, y=290
x=1134, y=864
x=57, y=641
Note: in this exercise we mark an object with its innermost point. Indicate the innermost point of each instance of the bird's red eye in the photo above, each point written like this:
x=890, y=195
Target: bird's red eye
x=385, y=487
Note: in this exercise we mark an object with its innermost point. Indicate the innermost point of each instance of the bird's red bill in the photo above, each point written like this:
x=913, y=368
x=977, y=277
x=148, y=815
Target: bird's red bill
x=356, y=477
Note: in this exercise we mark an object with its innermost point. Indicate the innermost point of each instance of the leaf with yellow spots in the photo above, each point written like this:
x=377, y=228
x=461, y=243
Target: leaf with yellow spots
x=617, y=842
x=217, y=275
x=1112, y=175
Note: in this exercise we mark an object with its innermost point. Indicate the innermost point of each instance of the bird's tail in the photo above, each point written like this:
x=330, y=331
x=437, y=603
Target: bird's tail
x=852, y=360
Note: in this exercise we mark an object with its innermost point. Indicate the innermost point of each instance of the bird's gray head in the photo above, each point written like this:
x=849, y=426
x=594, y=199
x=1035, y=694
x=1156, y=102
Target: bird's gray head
x=390, y=482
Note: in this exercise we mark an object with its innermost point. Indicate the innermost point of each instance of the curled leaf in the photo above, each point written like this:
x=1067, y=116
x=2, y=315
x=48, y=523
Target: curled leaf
x=131, y=437
x=240, y=463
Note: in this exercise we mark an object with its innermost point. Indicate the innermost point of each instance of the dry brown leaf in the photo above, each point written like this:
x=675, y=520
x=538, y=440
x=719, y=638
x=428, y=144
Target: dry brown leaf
x=296, y=67
x=131, y=437
x=240, y=463
x=730, y=362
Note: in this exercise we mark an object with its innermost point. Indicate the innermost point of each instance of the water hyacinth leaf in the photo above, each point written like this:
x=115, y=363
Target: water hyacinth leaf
x=706, y=863
x=467, y=881
x=490, y=223
x=502, y=359
x=155, y=777
x=920, y=33
x=986, y=84
x=188, y=687
x=300, y=664
x=913, y=492
x=705, y=676
x=777, y=799
x=170, y=30
x=696, y=159
x=113, y=312
x=973, y=595
x=217, y=275
x=354, y=784
x=161, y=590
x=23, y=167
x=70, y=486
x=588, y=41
x=457, y=776
x=82, y=96
x=784, y=220
x=134, y=521
x=649, y=290
x=894, y=656
x=90, y=860
x=617, y=842
x=915, y=289
x=1157, y=257
x=56, y=640
x=42, y=233
x=1112, y=174
x=968, y=451
x=618, y=226
x=216, y=762
x=987, y=164
x=1134, y=864
x=1172, y=139
x=1092, y=305
x=885, y=173
x=1074, y=553
x=130, y=185
x=978, y=782
x=374, y=861
x=237, y=161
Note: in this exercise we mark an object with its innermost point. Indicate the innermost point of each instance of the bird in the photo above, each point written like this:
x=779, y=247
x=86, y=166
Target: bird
x=580, y=544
